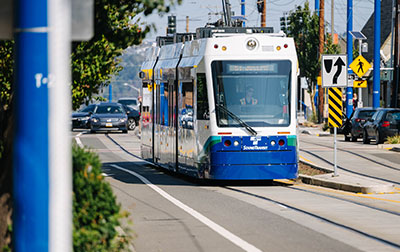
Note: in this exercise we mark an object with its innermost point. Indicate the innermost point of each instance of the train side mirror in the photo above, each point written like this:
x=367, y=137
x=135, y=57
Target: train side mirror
x=141, y=74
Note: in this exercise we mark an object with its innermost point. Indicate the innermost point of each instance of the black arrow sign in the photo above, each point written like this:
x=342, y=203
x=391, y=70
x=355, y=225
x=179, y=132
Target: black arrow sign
x=339, y=63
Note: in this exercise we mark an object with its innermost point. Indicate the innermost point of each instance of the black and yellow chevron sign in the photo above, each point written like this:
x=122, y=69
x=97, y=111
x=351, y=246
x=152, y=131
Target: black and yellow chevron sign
x=335, y=107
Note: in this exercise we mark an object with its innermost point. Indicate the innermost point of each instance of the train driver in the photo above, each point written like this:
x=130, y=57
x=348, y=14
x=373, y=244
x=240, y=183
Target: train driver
x=249, y=99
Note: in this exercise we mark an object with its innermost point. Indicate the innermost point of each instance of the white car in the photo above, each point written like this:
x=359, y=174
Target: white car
x=130, y=101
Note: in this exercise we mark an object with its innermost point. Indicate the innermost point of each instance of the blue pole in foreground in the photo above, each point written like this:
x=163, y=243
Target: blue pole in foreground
x=377, y=58
x=317, y=6
x=31, y=165
x=349, y=90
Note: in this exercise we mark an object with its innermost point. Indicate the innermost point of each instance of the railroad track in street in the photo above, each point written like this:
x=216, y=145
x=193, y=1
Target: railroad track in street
x=371, y=203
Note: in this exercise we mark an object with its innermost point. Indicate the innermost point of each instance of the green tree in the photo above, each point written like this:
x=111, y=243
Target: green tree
x=304, y=28
x=93, y=63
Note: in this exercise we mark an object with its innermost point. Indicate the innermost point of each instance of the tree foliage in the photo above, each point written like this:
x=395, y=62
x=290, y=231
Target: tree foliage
x=94, y=62
x=95, y=209
x=304, y=28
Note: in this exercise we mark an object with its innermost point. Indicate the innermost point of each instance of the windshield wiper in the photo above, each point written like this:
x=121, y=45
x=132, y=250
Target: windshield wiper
x=240, y=121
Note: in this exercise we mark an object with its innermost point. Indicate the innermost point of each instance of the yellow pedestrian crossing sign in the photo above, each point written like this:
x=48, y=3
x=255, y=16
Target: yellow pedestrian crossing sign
x=360, y=83
x=360, y=66
x=335, y=107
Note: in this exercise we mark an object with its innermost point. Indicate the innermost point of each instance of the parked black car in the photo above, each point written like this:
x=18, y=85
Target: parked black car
x=384, y=123
x=133, y=117
x=109, y=116
x=80, y=119
x=356, y=123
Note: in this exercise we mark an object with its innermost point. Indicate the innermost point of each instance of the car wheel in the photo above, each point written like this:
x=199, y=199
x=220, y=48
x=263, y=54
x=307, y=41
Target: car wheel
x=131, y=124
x=346, y=138
x=365, y=138
x=353, y=138
x=125, y=131
x=92, y=131
x=378, y=138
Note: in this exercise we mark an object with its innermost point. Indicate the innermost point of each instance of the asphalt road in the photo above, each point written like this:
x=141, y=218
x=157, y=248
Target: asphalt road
x=175, y=213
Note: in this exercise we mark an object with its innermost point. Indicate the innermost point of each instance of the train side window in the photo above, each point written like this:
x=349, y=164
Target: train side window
x=202, y=97
x=165, y=105
x=187, y=105
x=158, y=100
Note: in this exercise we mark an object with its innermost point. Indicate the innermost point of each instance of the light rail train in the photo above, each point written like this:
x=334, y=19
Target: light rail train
x=222, y=106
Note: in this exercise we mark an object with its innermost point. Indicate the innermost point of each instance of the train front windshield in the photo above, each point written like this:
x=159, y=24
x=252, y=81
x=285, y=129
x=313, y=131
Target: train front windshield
x=254, y=92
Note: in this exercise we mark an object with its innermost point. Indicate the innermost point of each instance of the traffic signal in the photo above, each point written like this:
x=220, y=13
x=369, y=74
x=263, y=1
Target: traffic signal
x=283, y=24
x=171, y=25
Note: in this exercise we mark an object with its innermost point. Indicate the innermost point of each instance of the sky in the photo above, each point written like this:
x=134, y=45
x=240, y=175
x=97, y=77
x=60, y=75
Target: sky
x=202, y=11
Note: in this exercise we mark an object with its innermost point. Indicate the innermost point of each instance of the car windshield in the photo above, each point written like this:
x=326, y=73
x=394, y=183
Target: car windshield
x=128, y=102
x=89, y=108
x=257, y=92
x=109, y=109
x=366, y=114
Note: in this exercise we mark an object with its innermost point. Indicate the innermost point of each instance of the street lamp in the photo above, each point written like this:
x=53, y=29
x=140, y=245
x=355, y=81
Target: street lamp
x=133, y=87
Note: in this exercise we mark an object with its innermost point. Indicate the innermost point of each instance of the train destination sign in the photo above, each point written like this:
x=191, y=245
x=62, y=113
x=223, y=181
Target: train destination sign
x=334, y=70
x=256, y=68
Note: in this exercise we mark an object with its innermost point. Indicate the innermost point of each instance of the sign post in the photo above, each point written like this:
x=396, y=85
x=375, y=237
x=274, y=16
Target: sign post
x=334, y=76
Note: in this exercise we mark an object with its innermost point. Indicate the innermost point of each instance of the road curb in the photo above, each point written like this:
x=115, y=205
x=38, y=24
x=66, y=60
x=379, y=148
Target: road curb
x=335, y=183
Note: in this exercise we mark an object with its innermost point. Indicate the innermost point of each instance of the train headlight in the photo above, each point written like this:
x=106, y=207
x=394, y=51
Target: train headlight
x=236, y=143
x=251, y=44
x=273, y=142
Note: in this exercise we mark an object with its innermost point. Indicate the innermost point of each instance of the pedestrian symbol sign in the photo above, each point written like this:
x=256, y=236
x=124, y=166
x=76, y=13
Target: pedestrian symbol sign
x=360, y=66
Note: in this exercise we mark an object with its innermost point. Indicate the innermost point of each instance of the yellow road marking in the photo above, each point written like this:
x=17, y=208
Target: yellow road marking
x=305, y=159
x=349, y=194
x=285, y=181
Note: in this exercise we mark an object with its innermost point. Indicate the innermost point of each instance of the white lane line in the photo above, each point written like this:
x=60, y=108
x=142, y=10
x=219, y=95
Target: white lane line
x=78, y=140
x=214, y=226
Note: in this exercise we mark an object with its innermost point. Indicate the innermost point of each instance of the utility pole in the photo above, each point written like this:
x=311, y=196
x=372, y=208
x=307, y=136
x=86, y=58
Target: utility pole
x=332, y=18
x=349, y=90
x=243, y=10
x=187, y=24
x=321, y=51
x=264, y=14
x=377, y=56
x=395, y=82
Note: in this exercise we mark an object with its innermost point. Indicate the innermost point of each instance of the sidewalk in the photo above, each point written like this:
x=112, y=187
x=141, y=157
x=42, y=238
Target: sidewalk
x=344, y=181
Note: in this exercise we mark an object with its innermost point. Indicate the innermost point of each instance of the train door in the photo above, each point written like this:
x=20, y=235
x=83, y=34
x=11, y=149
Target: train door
x=202, y=125
x=186, y=136
x=146, y=124
x=171, y=126
x=157, y=115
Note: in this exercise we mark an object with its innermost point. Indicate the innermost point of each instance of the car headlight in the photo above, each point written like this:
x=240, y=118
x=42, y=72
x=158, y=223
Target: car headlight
x=86, y=118
x=95, y=120
x=122, y=120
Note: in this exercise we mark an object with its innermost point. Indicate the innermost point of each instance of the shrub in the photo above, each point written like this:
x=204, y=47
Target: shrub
x=96, y=213
x=393, y=140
